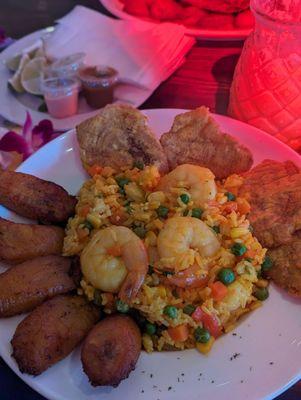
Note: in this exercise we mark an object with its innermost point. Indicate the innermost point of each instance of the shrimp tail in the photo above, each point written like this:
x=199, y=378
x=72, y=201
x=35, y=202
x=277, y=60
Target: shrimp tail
x=130, y=286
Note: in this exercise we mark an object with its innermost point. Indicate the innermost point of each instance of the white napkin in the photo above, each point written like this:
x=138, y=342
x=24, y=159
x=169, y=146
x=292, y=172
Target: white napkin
x=144, y=54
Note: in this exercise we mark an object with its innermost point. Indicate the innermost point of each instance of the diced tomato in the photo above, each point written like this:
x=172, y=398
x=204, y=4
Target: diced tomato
x=179, y=333
x=114, y=251
x=210, y=322
x=218, y=290
x=229, y=207
x=243, y=206
x=197, y=315
x=94, y=170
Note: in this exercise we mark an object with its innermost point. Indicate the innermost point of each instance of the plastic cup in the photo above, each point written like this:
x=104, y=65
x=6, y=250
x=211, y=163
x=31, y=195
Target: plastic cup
x=66, y=66
x=98, y=83
x=61, y=96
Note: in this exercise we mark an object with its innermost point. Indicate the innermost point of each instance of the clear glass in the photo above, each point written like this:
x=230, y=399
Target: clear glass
x=266, y=88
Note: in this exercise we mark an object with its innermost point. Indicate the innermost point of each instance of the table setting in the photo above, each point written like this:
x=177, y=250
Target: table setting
x=111, y=113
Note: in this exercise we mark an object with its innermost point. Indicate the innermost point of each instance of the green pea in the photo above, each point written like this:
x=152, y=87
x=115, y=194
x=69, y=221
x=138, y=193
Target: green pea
x=226, y=276
x=238, y=249
x=185, y=198
x=261, y=294
x=201, y=335
x=230, y=196
x=97, y=298
x=171, y=312
x=196, y=212
x=189, y=309
x=267, y=264
x=122, y=307
x=122, y=182
x=150, y=328
x=162, y=211
x=216, y=228
x=88, y=225
x=140, y=231
x=138, y=164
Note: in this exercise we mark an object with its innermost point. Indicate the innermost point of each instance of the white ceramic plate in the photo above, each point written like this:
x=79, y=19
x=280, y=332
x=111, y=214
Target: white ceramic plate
x=116, y=8
x=268, y=341
x=13, y=106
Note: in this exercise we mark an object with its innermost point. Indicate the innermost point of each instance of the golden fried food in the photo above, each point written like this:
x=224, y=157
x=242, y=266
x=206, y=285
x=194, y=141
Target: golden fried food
x=35, y=198
x=286, y=269
x=25, y=286
x=164, y=10
x=21, y=242
x=111, y=350
x=117, y=137
x=195, y=138
x=218, y=21
x=51, y=332
x=136, y=7
x=274, y=192
x=244, y=20
x=221, y=6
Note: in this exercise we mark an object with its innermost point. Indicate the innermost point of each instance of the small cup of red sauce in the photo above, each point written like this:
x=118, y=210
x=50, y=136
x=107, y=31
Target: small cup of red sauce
x=61, y=96
x=98, y=83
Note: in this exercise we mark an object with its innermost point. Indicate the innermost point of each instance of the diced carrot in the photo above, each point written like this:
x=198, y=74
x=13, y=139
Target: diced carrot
x=114, y=251
x=82, y=233
x=229, y=207
x=94, y=170
x=243, y=205
x=197, y=315
x=218, y=290
x=84, y=211
x=179, y=333
x=249, y=254
x=118, y=217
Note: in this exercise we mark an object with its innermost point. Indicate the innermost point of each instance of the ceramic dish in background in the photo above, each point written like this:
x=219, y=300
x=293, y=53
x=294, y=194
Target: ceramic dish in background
x=266, y=344
x=14, y=105
x=116, y=8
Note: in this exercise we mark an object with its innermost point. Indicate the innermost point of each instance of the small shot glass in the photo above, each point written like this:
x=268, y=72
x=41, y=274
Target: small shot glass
x=61, y=96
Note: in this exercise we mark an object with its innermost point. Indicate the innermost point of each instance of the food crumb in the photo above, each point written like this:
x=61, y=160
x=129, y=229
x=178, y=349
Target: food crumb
x=178, y=358
x=251, y=368
x=212, y=381
x=235, y=355
x=182, y=374
x=169, y=387
x=142, y=372
x=178, y=379
x=241, y=381
x=151, y=375
x=271, y=362
x=201, y=373
x=142, y=391
x=234, y=334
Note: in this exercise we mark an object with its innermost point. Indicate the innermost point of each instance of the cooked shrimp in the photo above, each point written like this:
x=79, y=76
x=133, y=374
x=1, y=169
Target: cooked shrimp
x=198, y=181
x=115, y=261
x=182, y=243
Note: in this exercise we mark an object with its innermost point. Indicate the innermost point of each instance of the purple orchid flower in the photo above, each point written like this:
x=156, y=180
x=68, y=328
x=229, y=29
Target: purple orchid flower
x=30, y=140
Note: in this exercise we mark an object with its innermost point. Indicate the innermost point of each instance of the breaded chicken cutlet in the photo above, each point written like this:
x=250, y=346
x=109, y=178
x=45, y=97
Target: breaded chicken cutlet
x=195, y=138
x=21, y=242
x=25, y=286
x=273, y=190
x=52, y=331
x=35, y=198
x=118, y=137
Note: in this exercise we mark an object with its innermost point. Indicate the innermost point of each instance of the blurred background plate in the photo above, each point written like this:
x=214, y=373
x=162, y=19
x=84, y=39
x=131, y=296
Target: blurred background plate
x=116, y=8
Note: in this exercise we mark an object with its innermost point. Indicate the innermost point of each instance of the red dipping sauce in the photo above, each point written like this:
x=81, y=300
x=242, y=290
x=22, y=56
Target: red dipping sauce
x=98, y=85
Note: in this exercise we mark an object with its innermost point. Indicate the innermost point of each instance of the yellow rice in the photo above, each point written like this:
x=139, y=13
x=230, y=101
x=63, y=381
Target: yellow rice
x=102, y=202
